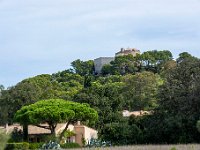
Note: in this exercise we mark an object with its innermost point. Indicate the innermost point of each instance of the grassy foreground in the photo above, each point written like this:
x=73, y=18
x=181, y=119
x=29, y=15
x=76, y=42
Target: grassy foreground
x=3, y=139
x=150, y=147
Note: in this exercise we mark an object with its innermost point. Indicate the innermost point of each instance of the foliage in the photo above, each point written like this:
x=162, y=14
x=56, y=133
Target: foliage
x=16, y=135
x=3, y=139
x=15, y=146
x=54, y=111
x=69, y=133
x=50, y=145
x=123, y=132
x=183, y=56
x=153, y=60
x=178, y=110
x=98, y=143
x=83, y=141
x=141, y=90
x=104, y=95
x=49, y=137
x=124, y=65
x=148, y=61
x=70, y=145
x=35, y=146
x=59, y=85
x=27, y=92
x=173, y=148
x=66, y=135
x=83, y=67
x=152, y=81
x=198, y=125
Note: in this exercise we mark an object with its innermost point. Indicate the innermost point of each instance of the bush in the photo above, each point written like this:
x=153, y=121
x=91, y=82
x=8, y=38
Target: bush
x=3, y=139
x=70, y=145
x=51, y=145
x=16, y=136
x=47, y=138
x=35, y=145
x=16, y=146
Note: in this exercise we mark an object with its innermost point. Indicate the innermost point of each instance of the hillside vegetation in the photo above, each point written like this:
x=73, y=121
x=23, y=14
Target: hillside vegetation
x=152, y=81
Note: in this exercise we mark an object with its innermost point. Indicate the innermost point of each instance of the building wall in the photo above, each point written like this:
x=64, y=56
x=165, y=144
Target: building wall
x=127, y=51
x=90, y=134
x=84, y=132
x=100, y=62
x=80, y=132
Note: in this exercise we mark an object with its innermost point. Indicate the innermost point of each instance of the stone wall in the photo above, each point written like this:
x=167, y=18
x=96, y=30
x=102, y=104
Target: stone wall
x=100, y=62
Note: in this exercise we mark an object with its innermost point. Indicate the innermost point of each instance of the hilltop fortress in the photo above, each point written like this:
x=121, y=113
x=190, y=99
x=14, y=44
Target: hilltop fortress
x=101, y=61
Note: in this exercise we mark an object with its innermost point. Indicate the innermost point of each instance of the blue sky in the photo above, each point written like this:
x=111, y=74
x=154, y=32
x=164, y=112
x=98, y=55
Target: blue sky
x=44, y=36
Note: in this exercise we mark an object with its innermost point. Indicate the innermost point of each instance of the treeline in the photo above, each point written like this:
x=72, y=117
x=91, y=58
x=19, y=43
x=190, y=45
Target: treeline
x=152, y=81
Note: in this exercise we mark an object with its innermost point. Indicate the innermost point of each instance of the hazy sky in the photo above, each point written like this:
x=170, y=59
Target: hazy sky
x=44, y=36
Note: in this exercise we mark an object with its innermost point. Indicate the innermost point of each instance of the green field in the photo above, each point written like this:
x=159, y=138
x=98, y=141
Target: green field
x=150, y=147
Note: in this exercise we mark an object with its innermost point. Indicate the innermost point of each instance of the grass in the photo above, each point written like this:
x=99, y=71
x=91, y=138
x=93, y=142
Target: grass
x=3, y=139
x=149, y=147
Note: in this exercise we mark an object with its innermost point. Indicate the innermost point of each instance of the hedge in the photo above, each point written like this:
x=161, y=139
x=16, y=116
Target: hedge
x=17, y=146
x=23, y=146
x=35, y=145
x=70, y=145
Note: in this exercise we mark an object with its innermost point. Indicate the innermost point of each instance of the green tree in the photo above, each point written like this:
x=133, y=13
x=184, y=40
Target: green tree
x=105, y=96
x=140, y=90
x=154, y=60
x=26, y=92
x=1, y=87
x=167, y=67
x=106, y=69
x=179, y=102
x=198, y=125
x=123, y=65
x=83, y=67
x=59, y=85
x=54, y=111
x=183, y=56
x=4, y=139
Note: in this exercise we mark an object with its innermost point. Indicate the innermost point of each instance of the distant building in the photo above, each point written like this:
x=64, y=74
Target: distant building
x=127, y=51
x=127, y=113
x=36, y=134
x=100, y=62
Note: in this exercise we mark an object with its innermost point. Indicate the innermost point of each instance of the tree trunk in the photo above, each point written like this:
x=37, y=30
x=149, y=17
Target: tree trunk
x=53, y=132
x=66, y=127
x=25, y=132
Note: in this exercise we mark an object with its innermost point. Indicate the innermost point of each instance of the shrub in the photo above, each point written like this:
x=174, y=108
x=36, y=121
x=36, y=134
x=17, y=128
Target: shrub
x=3, y=139
x=70, y=145
x=47, y=138
x=16, y=136
x=14, y=146
x=35, y=145
x=51, y=145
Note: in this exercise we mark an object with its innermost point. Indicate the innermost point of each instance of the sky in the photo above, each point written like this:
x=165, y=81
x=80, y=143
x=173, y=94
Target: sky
x=45, y=36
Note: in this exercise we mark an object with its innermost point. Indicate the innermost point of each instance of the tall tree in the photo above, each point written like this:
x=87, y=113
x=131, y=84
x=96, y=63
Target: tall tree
x=140, y=90
x=123, y=65
x=154, y=60
x=179, y=101
x=105, y=96
x=183, y=56
x=54, y=111
x=33, y=89
x=83, y=68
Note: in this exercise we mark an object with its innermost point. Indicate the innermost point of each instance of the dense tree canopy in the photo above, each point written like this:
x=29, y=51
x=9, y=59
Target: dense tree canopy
x=54, y=111
x=152, y=81
x=179, y=103
x=141, y=90
x=60, y=85
x=83, y=67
